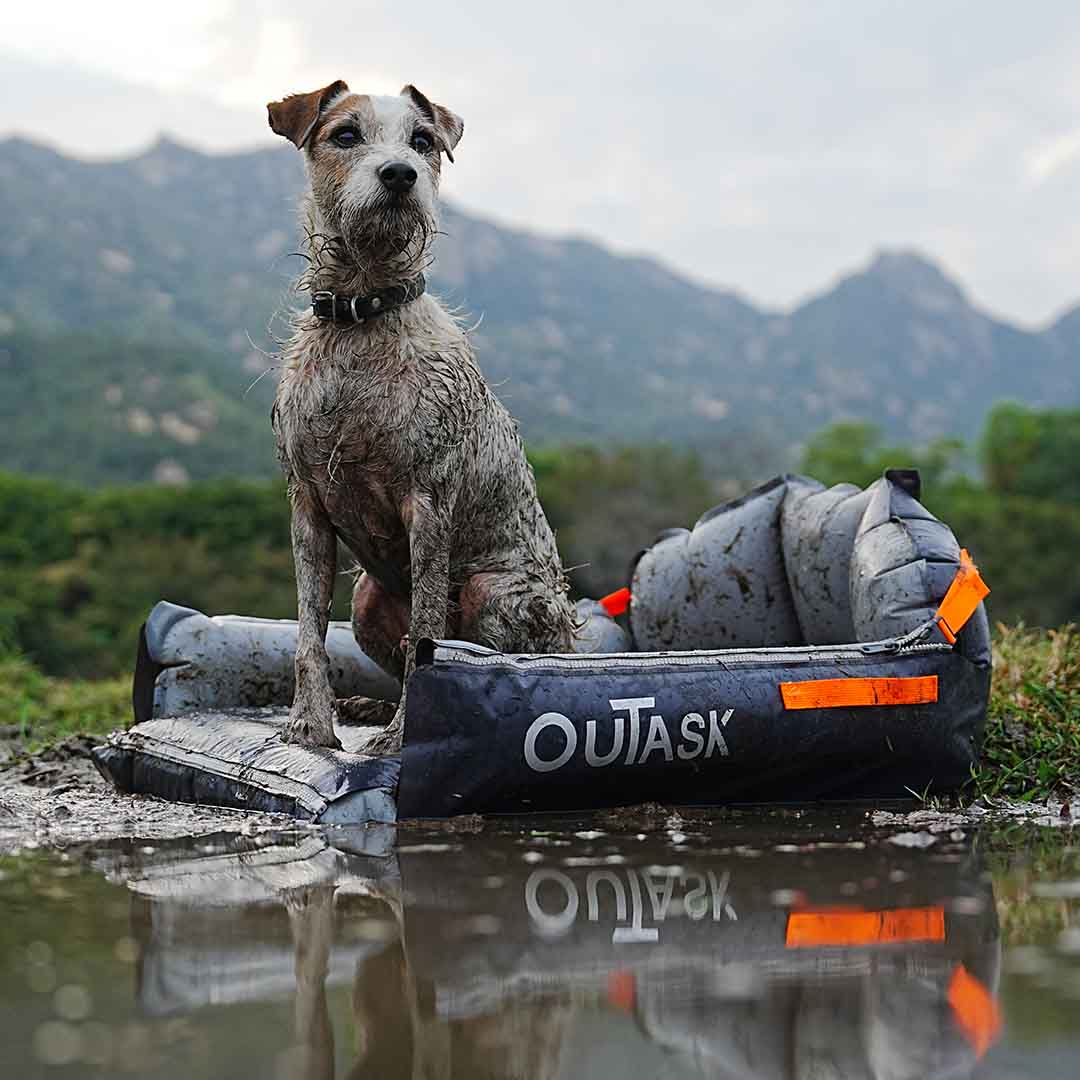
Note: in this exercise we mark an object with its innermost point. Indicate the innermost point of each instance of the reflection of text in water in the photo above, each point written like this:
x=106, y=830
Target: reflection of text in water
x=623, y=894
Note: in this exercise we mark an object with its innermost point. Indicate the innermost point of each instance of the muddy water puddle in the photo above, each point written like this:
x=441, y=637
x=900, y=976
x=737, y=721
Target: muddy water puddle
x=771, y=946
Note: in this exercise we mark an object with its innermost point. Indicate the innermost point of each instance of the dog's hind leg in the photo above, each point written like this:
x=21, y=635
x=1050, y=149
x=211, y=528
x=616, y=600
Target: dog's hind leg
x=380, y=624
x=429, y=564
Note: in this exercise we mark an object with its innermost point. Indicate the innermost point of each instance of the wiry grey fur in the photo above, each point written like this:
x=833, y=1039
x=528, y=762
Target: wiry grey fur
x=391, y=440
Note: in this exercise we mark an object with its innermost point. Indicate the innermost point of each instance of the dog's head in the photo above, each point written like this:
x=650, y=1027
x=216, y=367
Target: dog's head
x=373, y=163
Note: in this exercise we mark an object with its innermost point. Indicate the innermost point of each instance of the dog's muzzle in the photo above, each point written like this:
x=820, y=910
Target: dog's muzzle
x=353, y=310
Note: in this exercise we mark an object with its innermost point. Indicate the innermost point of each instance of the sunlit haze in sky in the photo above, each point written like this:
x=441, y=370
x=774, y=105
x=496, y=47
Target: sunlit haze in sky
x=765, y=146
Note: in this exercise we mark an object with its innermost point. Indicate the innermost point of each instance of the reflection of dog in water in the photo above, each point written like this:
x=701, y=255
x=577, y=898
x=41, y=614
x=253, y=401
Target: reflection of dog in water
x=392, y=441
x=398, y=1031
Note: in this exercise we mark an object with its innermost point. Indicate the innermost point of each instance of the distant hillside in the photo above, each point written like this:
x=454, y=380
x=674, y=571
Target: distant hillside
x=189, y=252
x=88, y=408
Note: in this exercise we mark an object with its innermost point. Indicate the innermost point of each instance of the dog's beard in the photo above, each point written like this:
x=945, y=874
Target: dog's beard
x=390, y=231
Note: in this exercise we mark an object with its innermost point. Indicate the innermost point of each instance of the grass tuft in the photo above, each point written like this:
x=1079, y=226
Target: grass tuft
x=37, y=710
x=1032, y=745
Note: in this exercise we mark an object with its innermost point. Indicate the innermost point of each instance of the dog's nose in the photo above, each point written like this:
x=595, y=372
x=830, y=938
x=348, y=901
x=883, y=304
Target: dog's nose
x=397, y=176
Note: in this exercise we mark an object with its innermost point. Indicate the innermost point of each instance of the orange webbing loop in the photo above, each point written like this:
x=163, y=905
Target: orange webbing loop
x=617, y=602
x=847, y=693
x=976, y=1011
x=965, y=593
x=814, y=929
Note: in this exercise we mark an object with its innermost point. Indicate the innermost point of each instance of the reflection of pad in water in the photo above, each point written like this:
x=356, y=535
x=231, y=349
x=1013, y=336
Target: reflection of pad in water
x=813, y=929
x=214, y=929
x=713, y=964
x=203, y=956
x=226, y=880
x=605, y=952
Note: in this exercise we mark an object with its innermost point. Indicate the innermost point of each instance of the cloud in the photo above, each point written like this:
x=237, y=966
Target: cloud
x=1052, y=156
x=97, y=115
x=764, y=146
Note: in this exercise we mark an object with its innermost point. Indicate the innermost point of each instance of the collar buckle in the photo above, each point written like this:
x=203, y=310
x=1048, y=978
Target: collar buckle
x=325, y=300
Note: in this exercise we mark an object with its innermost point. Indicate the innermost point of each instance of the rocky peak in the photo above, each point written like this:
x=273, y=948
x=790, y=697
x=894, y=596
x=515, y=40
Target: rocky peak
x=917, y=279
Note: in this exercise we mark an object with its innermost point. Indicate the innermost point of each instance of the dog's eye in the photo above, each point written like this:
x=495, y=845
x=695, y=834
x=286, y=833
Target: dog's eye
x=422, y=142
x=346, y=137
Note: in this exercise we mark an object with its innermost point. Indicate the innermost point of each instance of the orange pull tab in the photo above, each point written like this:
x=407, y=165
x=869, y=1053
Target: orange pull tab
x=964, y=596
x=617, y=602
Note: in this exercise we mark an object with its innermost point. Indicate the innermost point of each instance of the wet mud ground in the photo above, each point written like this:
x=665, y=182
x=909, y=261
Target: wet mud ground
x=57, y=798
x=150, y=939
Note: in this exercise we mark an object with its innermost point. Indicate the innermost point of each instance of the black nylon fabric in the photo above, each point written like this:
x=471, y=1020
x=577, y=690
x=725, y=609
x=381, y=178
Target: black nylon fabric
x=468, y=735
x=136, y=773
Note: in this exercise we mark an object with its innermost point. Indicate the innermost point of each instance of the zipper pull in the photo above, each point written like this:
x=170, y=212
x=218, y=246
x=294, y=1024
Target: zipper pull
x=878, y=648
x=895, y=645
x=445, y=645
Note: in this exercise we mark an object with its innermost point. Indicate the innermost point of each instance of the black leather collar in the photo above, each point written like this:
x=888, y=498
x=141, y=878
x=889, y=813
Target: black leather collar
x=353, y=310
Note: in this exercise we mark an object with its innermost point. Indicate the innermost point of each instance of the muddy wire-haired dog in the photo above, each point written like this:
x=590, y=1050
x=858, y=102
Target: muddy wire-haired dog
x=390, y=438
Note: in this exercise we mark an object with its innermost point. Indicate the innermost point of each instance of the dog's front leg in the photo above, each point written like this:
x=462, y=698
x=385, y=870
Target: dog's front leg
x=311, y=721
x=429, y=559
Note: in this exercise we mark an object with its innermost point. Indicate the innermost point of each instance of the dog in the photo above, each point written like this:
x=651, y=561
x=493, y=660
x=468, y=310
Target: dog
x=390, y=438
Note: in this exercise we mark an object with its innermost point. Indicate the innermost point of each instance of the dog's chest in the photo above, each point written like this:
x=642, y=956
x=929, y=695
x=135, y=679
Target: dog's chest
x=365, y=437
x=334, y=425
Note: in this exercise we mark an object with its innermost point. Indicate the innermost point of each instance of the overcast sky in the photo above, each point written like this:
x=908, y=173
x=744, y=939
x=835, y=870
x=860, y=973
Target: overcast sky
x=767, y=146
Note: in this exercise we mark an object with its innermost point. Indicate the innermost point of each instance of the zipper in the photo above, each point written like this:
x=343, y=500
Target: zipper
x=478, y=656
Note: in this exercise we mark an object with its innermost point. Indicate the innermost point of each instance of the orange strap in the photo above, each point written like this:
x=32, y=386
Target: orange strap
x=965, y=593
x=813, y=929
x=975, y=1009
x=846, y=693
x=617, y=602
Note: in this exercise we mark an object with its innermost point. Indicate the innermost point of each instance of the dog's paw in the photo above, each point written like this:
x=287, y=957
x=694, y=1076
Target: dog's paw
x=387, y=741
x=311, y=725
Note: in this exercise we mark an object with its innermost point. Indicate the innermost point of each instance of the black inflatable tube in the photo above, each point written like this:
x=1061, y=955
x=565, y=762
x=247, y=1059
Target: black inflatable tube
x=503, y=734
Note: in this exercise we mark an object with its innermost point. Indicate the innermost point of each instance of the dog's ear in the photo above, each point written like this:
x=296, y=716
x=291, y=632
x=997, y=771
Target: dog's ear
x=448, y=125
x=295, y=117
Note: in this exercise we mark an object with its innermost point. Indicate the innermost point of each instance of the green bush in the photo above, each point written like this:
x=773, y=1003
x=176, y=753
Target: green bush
x=1021, y=524
x=81, y=569
x=1032, y=452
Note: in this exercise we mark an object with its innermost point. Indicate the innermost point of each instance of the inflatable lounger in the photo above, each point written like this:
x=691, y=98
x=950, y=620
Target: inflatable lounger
x=799, y=643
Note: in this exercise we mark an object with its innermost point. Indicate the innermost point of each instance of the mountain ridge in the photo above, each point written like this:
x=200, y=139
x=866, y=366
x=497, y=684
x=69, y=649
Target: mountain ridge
x=174, y=246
